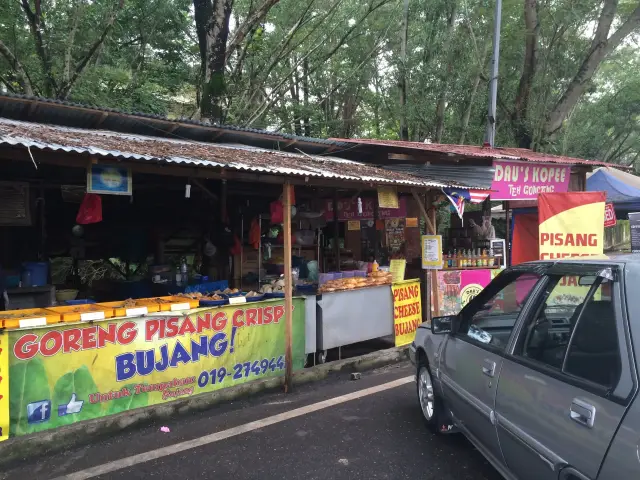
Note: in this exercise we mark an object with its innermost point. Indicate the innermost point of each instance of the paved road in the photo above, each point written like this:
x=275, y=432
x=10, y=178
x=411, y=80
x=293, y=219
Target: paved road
x=369, y=428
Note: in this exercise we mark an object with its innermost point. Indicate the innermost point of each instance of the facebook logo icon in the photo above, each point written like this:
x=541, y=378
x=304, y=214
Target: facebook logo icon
x=38, y=412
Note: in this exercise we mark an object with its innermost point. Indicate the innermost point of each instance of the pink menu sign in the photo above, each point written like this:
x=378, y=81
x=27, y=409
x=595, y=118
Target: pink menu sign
x=525, y=181
x=348, y=210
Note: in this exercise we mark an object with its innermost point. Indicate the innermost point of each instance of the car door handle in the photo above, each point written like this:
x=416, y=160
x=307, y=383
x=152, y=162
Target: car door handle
x=582, y=413
x=489, y=368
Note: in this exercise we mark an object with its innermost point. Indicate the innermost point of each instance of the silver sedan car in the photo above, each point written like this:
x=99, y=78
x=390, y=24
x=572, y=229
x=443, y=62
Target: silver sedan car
x=540, y=372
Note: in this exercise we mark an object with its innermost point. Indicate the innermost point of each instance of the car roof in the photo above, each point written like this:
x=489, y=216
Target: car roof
x=543, y=266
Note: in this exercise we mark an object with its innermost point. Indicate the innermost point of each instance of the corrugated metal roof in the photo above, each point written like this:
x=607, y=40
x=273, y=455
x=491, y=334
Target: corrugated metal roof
x=120, y=146
x=500, y=153
x=477, y=176
x=70, y=114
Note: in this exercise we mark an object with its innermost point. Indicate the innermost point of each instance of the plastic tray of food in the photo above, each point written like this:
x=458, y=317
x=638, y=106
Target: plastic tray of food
x=214, y=303
x=170, y=304
x=230, y=292
x=27, y=318
x=130, y=308
x=213, y=300
x=274, y=295
x=256, y=297
x=82, y=313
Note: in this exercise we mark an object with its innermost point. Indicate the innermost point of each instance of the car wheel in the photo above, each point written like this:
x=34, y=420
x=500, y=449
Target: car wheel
x=430, y=404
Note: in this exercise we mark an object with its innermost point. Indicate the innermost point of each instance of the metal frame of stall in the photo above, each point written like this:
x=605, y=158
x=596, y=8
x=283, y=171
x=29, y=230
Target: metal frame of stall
x=372, y=306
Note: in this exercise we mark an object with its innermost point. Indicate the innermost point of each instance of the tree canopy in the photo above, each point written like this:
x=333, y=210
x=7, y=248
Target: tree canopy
x=411, y=69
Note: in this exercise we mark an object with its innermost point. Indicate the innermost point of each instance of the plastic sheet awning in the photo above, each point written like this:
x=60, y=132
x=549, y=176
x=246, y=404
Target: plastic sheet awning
x=623, y=189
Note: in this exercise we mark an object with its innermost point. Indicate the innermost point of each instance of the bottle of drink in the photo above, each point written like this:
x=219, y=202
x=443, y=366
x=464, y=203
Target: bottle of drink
x=478, y=257
x=454, y=260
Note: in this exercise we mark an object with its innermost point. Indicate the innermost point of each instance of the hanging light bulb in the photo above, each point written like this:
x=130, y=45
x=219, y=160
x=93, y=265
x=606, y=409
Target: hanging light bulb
x=359, y=206
x=187, y=191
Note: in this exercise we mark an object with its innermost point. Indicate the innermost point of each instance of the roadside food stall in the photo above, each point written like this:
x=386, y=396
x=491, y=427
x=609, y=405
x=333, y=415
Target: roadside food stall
x=151, y=221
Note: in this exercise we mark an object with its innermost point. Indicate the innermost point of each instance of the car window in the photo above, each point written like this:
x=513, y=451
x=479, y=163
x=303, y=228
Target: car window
x=491, y=320
x=574, y=330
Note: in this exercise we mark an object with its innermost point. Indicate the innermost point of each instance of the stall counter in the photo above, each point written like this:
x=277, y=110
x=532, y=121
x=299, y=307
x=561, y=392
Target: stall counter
x=352, y=316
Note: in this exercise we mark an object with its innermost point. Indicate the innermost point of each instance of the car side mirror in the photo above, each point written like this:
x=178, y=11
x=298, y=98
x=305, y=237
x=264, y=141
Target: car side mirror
x=442, y=325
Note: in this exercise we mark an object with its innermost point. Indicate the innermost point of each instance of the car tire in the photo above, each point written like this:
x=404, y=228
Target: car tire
x=430, y=405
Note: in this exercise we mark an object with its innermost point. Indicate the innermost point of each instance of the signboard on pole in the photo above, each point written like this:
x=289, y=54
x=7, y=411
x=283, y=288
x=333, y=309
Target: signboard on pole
x=610, y=219
x=571, y=224
x=431, y=252
x=407, y=311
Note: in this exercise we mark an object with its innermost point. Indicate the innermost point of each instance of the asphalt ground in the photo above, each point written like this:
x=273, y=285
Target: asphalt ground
x=339, y=428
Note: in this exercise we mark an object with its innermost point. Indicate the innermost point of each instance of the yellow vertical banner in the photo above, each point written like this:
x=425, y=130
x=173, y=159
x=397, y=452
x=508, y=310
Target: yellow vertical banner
x=407, y=311
x=4, y=386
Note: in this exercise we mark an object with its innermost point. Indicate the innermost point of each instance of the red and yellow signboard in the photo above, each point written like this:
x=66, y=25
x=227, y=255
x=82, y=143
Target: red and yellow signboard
x=407, y=311
x=571, y=224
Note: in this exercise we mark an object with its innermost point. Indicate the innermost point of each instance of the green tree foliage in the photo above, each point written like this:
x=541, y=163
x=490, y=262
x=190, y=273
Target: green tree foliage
x=342, y=68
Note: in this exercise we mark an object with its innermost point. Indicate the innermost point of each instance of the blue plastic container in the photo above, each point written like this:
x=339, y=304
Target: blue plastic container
x=39, y=273
x=80, y=301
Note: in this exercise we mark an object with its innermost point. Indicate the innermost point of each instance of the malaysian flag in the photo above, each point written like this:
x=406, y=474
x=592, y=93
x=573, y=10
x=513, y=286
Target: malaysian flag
x=457, y=198
x=478, y=196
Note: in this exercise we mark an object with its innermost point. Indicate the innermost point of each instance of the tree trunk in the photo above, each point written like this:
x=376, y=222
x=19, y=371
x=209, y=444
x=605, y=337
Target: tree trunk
x=70, y=41
x=18, y=69
x=472, y=96
x=295, y=99
x=255, y=17
x=404, y=126
x=305, y=87
x=601, y=46
x=446, y=73
x=212, y=27
x=519, y=118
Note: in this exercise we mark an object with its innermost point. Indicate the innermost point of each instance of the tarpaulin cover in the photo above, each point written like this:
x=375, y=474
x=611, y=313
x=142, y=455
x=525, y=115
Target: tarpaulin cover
x=622, y=189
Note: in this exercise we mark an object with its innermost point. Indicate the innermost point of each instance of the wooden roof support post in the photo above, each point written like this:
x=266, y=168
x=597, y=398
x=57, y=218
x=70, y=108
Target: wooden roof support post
x=435, y=298
x=288, y=289
x=431, y=229
x=431, y=285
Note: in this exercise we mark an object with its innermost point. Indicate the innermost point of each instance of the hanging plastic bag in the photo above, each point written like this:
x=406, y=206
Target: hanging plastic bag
x=277, y=212
x=90, y=209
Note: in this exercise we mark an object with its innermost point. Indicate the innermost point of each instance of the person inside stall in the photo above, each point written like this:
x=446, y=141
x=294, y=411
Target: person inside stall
x=209, y=266
x=4, y=297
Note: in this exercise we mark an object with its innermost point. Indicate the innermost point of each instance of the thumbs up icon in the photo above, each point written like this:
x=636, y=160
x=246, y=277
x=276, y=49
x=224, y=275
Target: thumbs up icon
x=74, y=406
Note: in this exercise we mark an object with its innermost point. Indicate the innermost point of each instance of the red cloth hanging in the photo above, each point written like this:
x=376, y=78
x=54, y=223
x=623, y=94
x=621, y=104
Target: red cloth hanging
x=254, y=234
x=90, y=209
